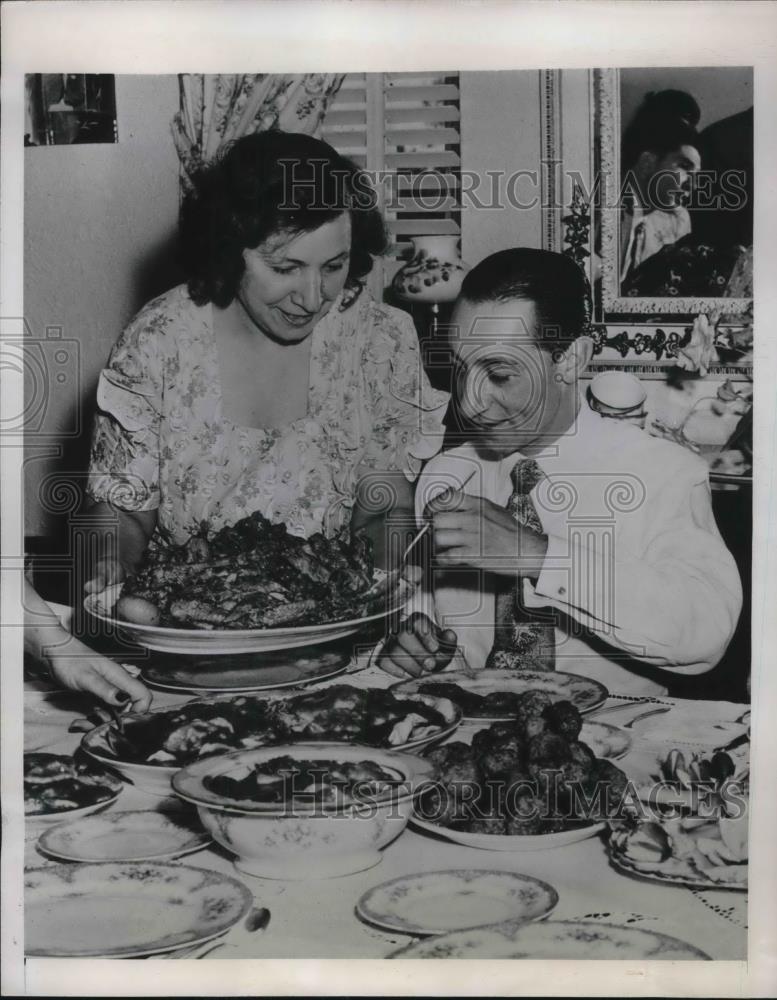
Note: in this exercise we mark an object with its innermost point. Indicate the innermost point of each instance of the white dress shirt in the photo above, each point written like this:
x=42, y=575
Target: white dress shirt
x=636, y=570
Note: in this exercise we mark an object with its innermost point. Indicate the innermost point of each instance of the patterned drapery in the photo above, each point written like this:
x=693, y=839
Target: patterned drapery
x=217, y=109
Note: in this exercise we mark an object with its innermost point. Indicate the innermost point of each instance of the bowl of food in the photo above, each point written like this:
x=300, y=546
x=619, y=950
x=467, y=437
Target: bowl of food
x=148, y=749
x=59, y=788
x=528, y=784
x=305, y=810
x=250, y=587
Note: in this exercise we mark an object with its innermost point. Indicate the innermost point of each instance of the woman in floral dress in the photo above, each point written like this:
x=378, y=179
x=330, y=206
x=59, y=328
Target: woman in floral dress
x=271, y=381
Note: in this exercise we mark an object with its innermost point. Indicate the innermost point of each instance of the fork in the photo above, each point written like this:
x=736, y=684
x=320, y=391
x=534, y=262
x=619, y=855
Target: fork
x=645, y=715
x=392, y=577
x=257, y=920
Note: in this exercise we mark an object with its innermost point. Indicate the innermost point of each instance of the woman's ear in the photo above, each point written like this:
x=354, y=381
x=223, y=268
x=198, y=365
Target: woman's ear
x=575, y=359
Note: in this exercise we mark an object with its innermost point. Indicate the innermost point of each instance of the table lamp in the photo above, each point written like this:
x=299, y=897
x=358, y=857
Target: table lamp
x=432, y=276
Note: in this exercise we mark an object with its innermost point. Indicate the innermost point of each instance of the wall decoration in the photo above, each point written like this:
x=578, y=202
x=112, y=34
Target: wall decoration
x=63, y=109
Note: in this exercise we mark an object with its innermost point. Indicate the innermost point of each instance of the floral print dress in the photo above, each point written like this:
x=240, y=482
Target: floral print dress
x=162, y=441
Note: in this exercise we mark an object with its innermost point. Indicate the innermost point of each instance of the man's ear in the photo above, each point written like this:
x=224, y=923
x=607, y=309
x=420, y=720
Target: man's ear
x=575, y=359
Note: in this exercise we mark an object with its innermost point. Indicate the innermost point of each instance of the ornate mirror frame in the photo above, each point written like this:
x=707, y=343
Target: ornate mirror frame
x=580, y=143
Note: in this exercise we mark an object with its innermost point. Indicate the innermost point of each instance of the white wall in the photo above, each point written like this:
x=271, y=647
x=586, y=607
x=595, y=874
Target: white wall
x=99, y=220
x=500, y=131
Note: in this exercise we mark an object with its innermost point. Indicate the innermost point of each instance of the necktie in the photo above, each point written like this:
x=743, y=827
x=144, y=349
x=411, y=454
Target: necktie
x=636, y=250
x=522, y=639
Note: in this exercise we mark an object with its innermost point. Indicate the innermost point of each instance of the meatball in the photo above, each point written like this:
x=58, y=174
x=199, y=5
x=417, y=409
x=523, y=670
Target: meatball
x=535, y=726
x=549, y=751
x=455, y=762
x=564, y=719
x=523, y=808
x=457, y=786
x=531, y=705
x=579, y=769
x=498, y=749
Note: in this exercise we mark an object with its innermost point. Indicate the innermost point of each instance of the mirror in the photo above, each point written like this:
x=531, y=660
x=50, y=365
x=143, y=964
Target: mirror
x=673, y=219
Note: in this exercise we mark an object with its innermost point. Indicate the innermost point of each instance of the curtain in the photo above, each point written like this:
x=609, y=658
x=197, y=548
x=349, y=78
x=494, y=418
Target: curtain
x=216, y=109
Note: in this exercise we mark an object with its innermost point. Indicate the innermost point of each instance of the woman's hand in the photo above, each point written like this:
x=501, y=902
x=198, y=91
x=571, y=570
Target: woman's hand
x=472, y=531
x=79, y=668
x=416, y=647
x=106, y=572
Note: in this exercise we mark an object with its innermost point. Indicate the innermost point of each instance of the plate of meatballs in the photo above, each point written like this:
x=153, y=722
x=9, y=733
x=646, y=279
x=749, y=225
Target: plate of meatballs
x=529, y=783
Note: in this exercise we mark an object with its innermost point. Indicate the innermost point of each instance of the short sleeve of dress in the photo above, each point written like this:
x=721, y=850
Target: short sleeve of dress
x=406, y=412
x=124, y=460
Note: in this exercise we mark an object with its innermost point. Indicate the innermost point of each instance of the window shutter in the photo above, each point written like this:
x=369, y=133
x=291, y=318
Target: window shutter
x=404, y=127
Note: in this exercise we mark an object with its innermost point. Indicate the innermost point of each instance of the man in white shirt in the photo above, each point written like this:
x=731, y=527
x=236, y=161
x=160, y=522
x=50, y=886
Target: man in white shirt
x=615, y=565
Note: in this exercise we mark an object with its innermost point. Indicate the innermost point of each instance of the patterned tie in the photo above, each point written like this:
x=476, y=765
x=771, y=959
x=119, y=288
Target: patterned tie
x=523, y=640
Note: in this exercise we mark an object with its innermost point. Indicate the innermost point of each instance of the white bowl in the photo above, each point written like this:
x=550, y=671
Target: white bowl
x=304, y=841
x=618, y=391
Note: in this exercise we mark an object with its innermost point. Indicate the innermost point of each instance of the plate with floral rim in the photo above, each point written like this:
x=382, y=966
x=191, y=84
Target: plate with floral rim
x=554, y=939
x=439, y=902
x=127, y=910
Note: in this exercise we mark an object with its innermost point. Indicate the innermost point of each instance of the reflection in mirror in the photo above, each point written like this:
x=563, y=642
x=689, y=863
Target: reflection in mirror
x=676, y=155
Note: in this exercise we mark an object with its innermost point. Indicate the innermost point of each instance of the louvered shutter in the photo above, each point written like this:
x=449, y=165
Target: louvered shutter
x=404, y=129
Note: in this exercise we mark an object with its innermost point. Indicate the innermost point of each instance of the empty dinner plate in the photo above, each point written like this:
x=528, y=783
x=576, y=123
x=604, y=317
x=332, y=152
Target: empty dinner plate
x=438, y=902
x=127, y=910
x=143, y=835
x=563, y=939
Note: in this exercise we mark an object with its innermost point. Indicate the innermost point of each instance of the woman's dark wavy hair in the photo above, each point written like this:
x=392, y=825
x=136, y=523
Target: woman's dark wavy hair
x=665, y=120
x=266, y=184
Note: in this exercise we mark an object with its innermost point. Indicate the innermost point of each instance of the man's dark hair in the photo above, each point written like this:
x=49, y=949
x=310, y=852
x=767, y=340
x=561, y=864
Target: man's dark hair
x=553, y=282
x=663, y=122
x=266, y=184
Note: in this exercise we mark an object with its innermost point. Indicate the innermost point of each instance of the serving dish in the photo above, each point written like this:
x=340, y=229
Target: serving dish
x=52, y=781
x=247, y=672
x=138, y=835
x=126, y=910
x=320, y=714
x=224, y=641
x=439, y=902
x=709, y=852
x=507, y=843
x=528, y=784
x=299, y=839
x=554, y=939
x=585, y=693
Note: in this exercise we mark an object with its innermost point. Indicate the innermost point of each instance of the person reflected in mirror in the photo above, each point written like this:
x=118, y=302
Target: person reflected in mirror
x=659, y=156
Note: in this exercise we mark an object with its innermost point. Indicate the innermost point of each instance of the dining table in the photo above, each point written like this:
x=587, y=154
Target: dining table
x=316, y=918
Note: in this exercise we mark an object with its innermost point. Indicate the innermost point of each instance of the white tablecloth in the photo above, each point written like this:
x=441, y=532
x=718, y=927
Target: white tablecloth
x=316, y=919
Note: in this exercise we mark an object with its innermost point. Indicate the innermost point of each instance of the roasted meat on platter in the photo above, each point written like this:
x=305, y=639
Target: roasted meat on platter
x=252, y=574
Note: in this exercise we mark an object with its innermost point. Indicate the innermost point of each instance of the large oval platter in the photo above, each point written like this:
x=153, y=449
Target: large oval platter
x=223, y=641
